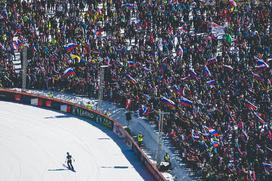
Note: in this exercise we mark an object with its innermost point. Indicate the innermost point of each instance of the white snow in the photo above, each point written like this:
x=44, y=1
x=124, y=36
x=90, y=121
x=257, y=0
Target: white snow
x=34, y=142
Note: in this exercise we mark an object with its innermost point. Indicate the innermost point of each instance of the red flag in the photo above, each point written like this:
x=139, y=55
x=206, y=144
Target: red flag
x=249, y=105
x=128, y=103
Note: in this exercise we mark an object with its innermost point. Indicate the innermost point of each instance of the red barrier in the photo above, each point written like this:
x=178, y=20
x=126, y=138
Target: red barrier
x=64, y=106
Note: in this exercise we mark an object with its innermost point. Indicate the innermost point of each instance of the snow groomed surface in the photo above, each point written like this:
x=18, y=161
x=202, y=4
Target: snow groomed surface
x=34, y=142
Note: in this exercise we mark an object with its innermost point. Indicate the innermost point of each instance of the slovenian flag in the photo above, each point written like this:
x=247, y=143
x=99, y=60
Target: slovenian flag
x=206, y=71
x=259, y=118
x=249, y=105
x=69, y=71
x=261, y=65
x=144, y=110
x=259, y=61
x=185, y=102
x=129, y=5
x=211, y=61
x=215, y=142
x=267, y=165
x=131, y=79
x=131, y=64
x=228, y=67
x=168, y=102
x=70, y=46
x=211, y=83
x=213, y=132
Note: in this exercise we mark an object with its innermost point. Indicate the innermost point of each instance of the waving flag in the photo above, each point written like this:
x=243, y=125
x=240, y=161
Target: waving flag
x=261, y=65
x=168, y=102
x=259, y=118
x=131, y=79
x=129, y=5
x=211, y=83
x=131, y=64
x=228, y=67
x=185, y=102
x=206, y=71
x=70, y=46
x=267, y=165
x=249, y=105
x=69, y=71
x=144, y=110
x=260, y=61
x=215, y=142
x=211, y=61
x=76, y=57
x=213, y=132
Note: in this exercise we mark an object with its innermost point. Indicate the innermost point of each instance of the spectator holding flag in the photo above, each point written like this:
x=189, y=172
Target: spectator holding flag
x=208, y=63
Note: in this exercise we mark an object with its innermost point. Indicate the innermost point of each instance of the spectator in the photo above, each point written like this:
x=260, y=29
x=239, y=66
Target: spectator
x=208, y=63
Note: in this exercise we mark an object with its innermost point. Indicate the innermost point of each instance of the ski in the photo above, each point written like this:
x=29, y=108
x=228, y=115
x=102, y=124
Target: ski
x=73, y=170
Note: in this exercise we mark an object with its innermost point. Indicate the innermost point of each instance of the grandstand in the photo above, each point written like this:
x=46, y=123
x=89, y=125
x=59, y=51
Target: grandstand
x=205, y=65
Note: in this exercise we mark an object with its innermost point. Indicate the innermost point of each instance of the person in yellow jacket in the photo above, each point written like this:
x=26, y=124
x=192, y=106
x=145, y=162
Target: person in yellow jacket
x=89, y=105
x=140, y=139
x=51, y=95
x=166, y=163
x=166, y=157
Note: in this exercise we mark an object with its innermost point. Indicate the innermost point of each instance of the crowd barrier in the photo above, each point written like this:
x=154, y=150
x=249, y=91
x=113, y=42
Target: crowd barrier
x=79, y=110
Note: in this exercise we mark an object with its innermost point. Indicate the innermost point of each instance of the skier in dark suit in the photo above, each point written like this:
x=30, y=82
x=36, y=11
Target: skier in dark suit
x=69, y=161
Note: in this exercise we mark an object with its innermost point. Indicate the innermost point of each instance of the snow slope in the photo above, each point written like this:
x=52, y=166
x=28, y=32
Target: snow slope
x=34, y=142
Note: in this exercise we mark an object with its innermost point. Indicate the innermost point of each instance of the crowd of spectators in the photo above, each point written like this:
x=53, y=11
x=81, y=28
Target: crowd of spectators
x=207, y=63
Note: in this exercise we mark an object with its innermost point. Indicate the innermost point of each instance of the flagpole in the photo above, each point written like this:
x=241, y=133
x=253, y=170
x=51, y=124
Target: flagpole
x=24, y=68
x=101, y=86
x=161, y=119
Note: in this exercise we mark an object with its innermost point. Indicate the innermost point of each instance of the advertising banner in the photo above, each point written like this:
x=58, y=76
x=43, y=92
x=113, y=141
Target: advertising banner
x=92, y=116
